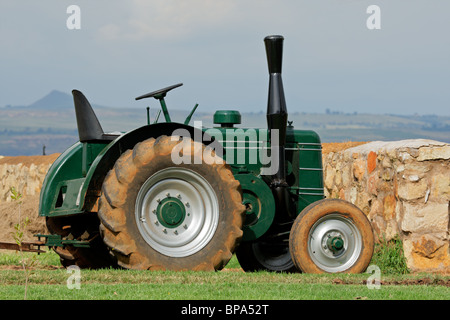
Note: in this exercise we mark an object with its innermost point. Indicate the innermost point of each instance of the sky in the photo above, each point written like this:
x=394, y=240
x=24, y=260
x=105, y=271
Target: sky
x=332, y=59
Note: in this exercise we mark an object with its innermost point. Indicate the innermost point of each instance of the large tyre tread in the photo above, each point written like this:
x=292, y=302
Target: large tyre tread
x=113, y=217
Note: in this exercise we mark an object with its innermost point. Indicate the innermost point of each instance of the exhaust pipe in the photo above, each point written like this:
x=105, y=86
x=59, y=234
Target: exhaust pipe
x=277, y=120
x=276, y=105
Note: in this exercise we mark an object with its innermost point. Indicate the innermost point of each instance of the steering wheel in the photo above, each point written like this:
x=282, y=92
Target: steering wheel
x=159, y=94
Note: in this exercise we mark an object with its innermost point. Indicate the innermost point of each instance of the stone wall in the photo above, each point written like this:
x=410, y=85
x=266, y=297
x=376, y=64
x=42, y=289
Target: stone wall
x=404, y=189
x=25, y=174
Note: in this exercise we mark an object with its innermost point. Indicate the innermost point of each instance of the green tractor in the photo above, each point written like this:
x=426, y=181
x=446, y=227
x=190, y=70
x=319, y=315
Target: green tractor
x=172, y=196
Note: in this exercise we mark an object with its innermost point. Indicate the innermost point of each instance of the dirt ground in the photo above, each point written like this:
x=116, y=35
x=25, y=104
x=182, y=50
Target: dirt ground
x=9, y=211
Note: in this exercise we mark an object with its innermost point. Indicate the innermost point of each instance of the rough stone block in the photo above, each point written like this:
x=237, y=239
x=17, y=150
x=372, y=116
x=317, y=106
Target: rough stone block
x=421, y=218
x=434, y=153
x=408, y=190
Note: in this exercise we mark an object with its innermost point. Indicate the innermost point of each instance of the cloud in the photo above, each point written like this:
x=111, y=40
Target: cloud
x=169, y=19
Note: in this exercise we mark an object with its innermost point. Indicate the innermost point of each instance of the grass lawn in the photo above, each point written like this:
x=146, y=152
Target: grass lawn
x=49, y=282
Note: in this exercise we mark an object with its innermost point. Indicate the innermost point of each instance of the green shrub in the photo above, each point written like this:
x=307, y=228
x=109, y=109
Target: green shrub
x=388, y=255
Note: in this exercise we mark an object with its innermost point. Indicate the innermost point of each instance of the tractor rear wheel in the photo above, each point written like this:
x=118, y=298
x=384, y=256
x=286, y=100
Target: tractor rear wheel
x=331, y=236
x=159, y=215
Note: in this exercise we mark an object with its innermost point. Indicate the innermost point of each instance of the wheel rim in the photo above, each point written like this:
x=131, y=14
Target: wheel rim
x=177, y=212
x=334, y=243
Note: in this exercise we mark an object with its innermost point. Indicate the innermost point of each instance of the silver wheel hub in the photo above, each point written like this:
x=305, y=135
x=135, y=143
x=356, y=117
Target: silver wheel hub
x=334, y=243
x=177, y=212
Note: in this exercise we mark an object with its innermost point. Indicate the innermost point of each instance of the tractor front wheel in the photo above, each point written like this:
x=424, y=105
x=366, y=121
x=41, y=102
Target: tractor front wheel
x=331, y=236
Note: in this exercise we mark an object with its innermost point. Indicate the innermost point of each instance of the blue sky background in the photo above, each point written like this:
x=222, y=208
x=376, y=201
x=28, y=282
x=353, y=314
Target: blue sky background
x=331, y=60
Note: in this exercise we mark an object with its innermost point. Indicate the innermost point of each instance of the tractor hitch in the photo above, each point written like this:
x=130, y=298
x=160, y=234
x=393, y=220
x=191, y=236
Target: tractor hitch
x=24, y=246
x=50, y=241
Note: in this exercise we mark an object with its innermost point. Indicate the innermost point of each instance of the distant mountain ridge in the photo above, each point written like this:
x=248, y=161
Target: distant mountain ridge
x=54, y=100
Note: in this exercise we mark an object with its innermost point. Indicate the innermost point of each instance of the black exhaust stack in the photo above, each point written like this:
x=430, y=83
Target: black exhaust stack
x=277, y=120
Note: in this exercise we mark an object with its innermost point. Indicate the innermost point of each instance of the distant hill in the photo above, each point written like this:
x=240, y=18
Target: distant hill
x=55, y=100
x=51, y=121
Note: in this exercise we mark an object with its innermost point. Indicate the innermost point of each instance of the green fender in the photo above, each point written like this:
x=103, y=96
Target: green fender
x=73, y=183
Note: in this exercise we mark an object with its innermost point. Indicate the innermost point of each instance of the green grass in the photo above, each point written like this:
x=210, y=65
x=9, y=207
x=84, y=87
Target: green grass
x=8, y=258
x=389, y=256
x=50, y=283
x=137, y=285
x=226, y=290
